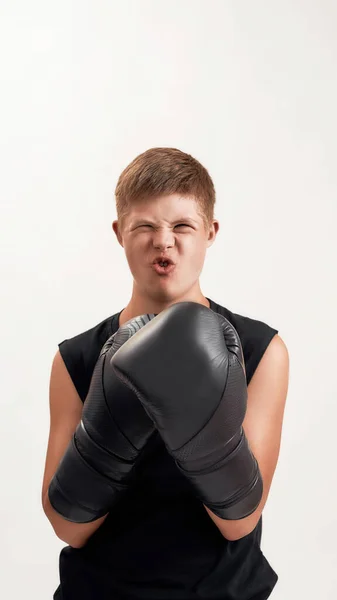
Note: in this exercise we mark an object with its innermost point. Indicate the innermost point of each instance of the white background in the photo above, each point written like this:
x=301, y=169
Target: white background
x=249, y=89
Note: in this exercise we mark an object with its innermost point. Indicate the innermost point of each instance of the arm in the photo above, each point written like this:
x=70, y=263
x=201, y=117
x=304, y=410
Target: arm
x=263, y=421
x=65, y=414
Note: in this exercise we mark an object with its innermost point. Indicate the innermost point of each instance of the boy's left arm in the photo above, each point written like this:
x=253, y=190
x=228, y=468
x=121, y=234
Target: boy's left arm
x=267, y=392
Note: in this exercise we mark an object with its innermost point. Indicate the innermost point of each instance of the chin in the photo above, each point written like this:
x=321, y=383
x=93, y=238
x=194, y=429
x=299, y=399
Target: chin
x=162, y=296
x=168, y=295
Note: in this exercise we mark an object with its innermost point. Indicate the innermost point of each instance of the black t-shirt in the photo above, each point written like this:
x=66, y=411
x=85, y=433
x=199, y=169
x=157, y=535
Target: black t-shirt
x=158, y=542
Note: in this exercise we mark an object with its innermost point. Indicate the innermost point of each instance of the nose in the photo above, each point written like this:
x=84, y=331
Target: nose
x=163, y=239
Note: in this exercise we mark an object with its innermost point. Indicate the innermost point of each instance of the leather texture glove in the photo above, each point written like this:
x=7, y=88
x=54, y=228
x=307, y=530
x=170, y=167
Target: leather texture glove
x=187, y=369
x=113, y=430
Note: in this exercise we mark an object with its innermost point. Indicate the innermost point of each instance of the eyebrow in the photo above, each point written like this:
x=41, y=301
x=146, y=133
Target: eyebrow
x=149, y=222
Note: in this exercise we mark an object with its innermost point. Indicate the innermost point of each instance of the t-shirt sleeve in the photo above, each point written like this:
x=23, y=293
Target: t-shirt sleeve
x=80, y=353
x=264, y=342
x=256, y=337
x=73, y=360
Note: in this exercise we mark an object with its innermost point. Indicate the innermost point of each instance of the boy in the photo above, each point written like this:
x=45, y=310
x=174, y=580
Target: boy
x=159, y=540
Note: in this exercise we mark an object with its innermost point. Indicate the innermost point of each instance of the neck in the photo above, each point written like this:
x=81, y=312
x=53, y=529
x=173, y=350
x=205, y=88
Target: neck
x=141, y=304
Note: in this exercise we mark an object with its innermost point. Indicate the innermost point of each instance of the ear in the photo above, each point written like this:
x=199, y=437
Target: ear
x=117, y=230
x=212, y=232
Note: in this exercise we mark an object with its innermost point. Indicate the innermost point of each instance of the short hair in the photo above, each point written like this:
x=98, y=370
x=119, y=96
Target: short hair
x=162, y=171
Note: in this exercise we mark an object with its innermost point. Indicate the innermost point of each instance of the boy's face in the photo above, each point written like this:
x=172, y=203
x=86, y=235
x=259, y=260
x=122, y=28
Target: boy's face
x=167, y=227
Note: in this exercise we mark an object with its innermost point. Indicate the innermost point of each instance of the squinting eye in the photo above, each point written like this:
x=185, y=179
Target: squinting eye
x=182, y=225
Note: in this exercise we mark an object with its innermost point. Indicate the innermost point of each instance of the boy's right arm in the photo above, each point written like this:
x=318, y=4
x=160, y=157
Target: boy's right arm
x=65, y=414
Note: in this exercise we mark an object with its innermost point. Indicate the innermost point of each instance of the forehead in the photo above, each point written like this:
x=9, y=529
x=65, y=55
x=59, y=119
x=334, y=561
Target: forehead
x=170, y=207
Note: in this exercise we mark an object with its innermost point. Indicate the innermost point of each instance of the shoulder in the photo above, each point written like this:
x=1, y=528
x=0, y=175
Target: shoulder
x=80, y=352
x=95, y=334
x=275, y=361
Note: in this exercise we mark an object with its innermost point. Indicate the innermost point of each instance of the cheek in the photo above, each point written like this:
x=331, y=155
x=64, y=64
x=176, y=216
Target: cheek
x=135, y=251
x=196, y=250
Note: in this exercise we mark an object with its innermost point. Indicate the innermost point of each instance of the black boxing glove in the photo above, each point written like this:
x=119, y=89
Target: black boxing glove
x=187, y=368
x=113, y=430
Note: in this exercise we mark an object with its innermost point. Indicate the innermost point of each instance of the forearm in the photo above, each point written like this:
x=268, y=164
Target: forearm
x=73, y=534
x=234, y=530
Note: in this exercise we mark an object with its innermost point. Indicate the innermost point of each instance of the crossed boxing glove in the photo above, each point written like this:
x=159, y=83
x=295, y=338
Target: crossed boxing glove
x=187, y=369
x=105, y=446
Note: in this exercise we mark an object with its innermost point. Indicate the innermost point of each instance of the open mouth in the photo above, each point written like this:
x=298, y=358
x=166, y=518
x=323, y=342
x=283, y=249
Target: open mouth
x=163, y=266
